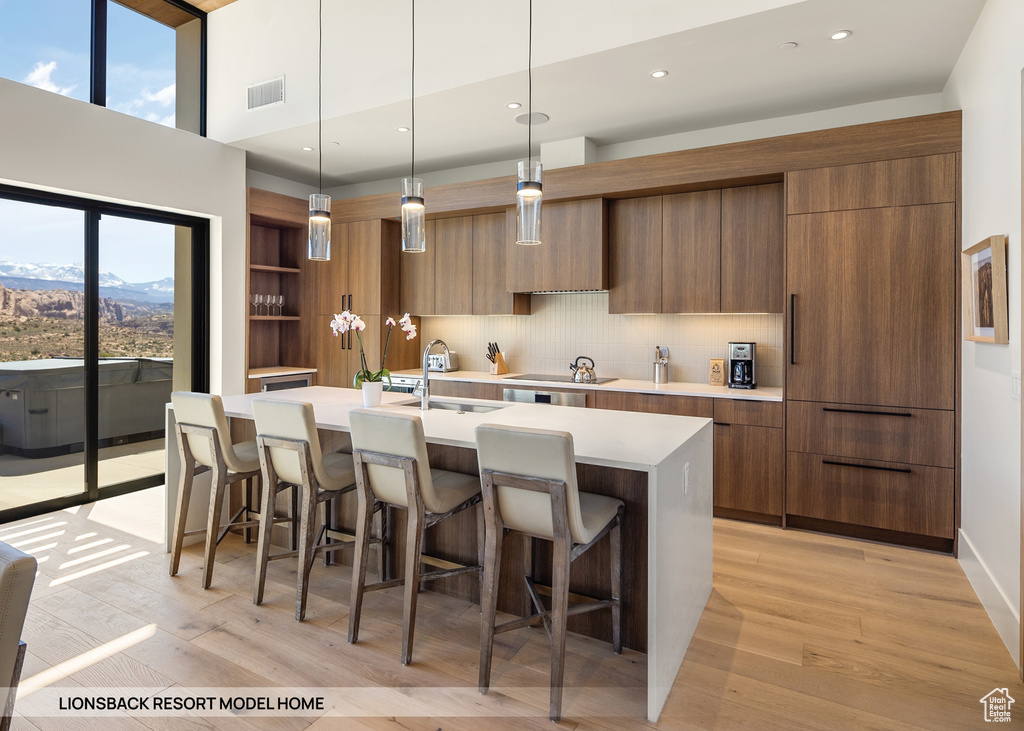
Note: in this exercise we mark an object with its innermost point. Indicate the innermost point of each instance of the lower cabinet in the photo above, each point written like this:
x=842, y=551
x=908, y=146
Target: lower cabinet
x=466, y=389
x=749, y=473
x=750, y=470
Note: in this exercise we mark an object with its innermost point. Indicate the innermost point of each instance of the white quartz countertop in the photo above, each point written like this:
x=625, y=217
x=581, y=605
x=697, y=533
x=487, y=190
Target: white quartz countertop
x=621, y=439
x=768, y=393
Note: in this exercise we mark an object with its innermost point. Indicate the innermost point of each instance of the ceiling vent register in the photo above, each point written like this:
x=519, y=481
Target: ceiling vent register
x=265, y=93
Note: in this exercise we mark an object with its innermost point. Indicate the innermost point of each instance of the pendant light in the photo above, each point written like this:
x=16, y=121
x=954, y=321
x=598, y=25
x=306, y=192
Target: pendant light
x=528, y=189
x=320, y=204
x=413, y=208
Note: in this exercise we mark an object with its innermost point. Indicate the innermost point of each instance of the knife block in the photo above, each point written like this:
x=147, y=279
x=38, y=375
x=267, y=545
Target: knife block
x=498, y=367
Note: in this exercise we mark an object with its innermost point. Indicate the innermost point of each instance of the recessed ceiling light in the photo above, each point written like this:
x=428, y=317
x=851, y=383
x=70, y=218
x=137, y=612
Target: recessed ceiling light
x=333, y=142
x=788, y=46
x=307, y=149
x=403, y=129
x=538, y=118
x=513, y=105
x=660, y=73
x=841, y=34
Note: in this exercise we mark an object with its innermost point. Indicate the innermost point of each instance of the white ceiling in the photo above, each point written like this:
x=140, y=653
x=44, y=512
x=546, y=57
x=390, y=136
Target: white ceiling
x=591, y=76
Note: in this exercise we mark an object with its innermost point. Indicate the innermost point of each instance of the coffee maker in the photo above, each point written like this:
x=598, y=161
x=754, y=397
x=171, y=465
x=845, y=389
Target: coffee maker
x=741, y=365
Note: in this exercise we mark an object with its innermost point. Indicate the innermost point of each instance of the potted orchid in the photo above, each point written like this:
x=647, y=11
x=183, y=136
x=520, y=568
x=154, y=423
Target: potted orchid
x=371, y=382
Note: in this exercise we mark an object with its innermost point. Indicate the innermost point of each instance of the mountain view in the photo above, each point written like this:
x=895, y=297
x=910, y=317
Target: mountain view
x=42, y=308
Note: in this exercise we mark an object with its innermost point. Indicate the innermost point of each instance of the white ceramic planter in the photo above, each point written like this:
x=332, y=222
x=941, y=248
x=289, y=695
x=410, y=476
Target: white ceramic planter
x=371, y=393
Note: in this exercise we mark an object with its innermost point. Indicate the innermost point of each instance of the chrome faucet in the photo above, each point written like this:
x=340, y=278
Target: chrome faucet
x=425, y=393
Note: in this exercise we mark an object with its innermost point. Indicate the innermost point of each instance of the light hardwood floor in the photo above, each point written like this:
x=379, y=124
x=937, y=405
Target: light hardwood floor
x=802, y=631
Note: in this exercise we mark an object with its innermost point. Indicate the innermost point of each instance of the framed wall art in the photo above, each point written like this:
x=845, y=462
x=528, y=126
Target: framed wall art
x=986, y=313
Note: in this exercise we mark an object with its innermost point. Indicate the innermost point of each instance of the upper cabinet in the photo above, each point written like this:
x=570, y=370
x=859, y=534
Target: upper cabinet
x=573, y=255
x=462, y=271
x=707, y=251
x=753, y=249
x=905, y=182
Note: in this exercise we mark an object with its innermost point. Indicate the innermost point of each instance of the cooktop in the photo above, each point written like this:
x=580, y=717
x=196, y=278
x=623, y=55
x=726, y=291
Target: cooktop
x=552, y=379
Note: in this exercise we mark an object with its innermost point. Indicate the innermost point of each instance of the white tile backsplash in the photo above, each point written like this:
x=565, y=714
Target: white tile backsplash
x=564, y=326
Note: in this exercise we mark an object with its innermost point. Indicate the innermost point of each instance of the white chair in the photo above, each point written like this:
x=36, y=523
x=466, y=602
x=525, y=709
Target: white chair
x=392, y=469
x=204, y=443
x=17, y=574
x=290, y=454
x=528, y=481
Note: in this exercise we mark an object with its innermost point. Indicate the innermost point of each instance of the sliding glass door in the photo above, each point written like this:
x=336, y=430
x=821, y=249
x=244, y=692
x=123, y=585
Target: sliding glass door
x=103, y=312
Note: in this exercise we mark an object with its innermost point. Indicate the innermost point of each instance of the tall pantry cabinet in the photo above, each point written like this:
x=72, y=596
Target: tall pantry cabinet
x=871, y=373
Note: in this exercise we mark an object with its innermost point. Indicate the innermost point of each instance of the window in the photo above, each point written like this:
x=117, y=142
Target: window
x=123, y=55
x=45, y=43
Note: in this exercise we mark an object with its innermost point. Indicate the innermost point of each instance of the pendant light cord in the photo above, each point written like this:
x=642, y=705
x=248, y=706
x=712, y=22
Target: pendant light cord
x=320, y=98
x=529, y=67
x=412, y=94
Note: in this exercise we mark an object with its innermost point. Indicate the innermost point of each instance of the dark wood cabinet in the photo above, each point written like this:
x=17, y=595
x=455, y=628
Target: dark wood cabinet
x=753, y=249
x=654, y=403
x=467, y=389
x=708, y=251
x=493, y=234
x=453, y=266
x=573, y=254
x=873, y=307
x=417, y=275
x=887, y=183
x=691, y=252
x=749, y=472
x=634, y=255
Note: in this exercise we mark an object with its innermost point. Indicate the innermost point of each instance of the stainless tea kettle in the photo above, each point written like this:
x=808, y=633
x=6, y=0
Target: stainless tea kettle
x=583, y=373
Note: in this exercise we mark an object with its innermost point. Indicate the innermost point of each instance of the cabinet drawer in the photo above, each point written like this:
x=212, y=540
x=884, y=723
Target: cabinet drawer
x=751, y=413
x=916, y=436
x=886, y=495
x=466, y=389
x=904, y=182
x=655, y=403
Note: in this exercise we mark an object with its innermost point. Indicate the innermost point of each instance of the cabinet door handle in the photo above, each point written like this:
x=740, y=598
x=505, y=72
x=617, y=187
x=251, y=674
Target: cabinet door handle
x=865, y=411
x=721, y=423
x=866, y=466
x=349, y=308
x=792, y=329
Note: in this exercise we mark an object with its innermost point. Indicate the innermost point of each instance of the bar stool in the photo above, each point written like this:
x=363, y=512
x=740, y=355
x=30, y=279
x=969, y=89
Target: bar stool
x=289, y=452
x=528, y=480
x=392, y=469
x=204, y=443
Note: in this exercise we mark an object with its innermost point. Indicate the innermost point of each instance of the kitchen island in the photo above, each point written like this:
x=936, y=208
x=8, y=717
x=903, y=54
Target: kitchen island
x=660, y=465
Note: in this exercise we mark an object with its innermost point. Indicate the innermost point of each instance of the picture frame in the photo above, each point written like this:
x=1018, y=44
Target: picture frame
x=986, y=313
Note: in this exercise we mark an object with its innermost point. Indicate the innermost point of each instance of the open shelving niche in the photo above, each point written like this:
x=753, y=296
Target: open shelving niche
x=276, y=266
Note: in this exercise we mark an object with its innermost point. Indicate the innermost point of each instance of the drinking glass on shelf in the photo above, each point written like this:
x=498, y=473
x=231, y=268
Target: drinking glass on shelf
x=259, y=303
x=280, y=304
x=255, y=303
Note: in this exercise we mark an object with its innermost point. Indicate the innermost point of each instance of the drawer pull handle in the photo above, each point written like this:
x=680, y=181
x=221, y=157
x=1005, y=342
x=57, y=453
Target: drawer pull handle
x=792, y=329
x=721, y=423
x=38, y=411
x=866, y=466
x=864, y=411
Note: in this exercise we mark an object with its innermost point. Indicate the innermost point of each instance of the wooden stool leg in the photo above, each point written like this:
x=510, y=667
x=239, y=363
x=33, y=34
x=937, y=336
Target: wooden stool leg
x=364, y=522
x=188, y=470
x=615, y=559
x=559, y=608
x=270, y=489
x=489, y=600
x=307, y=548
x=414, y=547
x=213, y=523
x=481, y=538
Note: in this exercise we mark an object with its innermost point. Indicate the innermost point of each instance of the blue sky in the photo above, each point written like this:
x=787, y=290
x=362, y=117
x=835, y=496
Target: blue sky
x=45, y=43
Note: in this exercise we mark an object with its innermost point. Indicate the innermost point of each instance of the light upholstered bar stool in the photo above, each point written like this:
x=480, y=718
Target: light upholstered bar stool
x=290, y=453
x=392, y=468
x=204, y=443
x=528, y=480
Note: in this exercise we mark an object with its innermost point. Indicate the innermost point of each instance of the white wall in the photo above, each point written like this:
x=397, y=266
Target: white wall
x=54, y=143
x=986, y=84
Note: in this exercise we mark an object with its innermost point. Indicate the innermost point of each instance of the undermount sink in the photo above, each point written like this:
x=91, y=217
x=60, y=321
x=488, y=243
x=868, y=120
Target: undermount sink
x=457, y=406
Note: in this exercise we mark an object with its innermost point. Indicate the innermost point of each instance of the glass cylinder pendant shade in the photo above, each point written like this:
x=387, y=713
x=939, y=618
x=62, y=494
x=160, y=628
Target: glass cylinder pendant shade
x=528, y=197
x=413, y=216
x=319, y=227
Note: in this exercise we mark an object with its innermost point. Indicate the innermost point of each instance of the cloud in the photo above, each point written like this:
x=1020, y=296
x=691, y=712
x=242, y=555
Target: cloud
x=165, y=97
x=39, y=77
